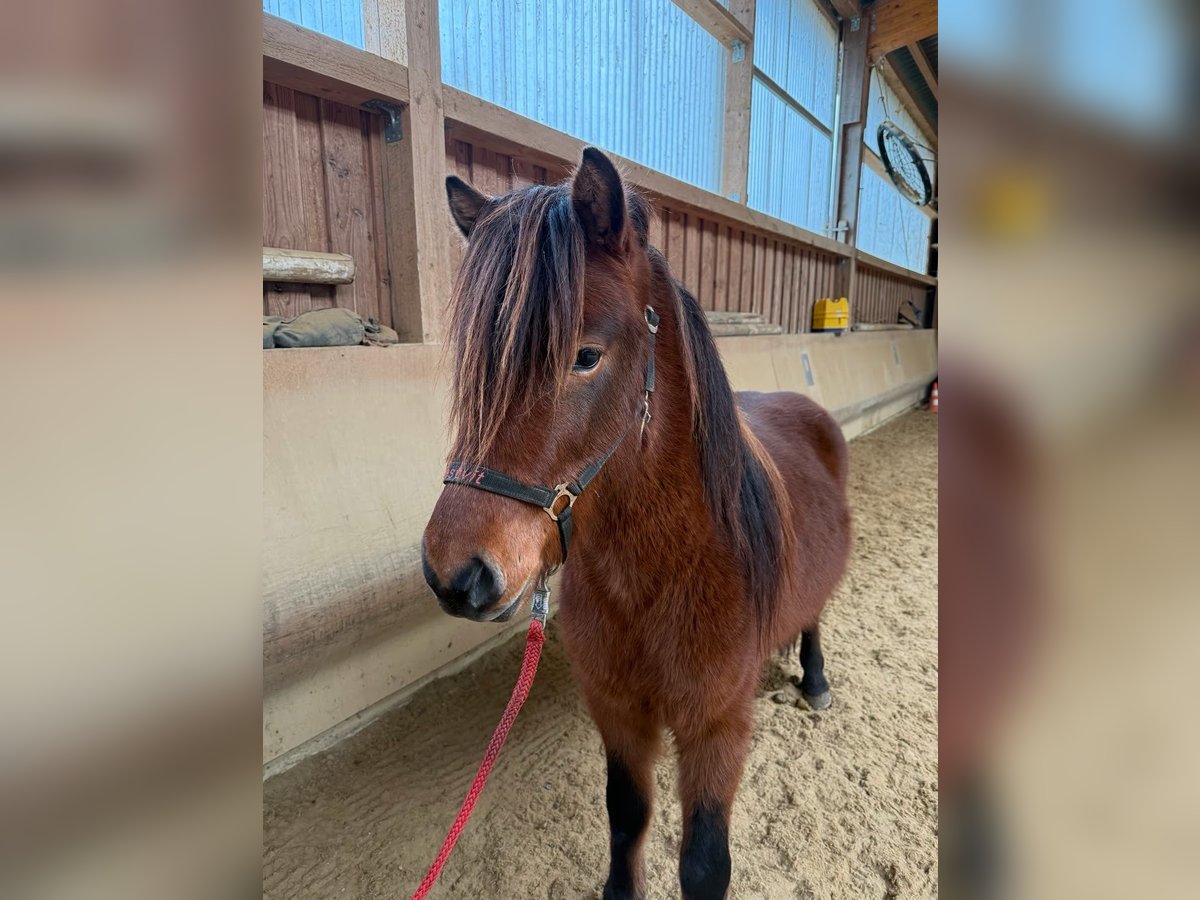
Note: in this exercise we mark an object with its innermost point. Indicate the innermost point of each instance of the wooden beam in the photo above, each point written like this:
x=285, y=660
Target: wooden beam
x=855, y=92
x=874, y=262
x=909, y=102
x=925, y=68
x=415, y=213
x=846, y=9
x=315, y=64
x=307, y=266
x=716, y=20
x=476, y=121
x=739, y=84
x=894, y=23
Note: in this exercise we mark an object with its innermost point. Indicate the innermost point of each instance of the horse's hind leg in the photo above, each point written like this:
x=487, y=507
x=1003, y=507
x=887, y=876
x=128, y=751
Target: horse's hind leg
x=813, y=685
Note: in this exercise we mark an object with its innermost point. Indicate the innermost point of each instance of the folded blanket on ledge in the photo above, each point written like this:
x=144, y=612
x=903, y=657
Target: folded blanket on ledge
x=334, y=327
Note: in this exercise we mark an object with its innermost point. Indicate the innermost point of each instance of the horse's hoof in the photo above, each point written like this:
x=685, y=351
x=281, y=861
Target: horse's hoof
x=823, y=700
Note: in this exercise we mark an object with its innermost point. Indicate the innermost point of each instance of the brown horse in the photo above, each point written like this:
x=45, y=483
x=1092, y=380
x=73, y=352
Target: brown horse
x=713, y=527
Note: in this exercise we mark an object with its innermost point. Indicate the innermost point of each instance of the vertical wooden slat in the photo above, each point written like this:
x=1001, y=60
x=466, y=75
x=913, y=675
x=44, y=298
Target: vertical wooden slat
x=283, y=206
x=676, y=241
x=708, y=264
x=691, y=258
x=771, y=300
x=721, y=274
x=785, y=286
x=348, y=190
x=746, y=293
x=658, y=232
x=377, y=268
x=761, y=288
x=737, y=239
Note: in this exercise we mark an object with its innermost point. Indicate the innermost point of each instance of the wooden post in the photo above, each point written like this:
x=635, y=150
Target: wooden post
x=739, y=81
x=856, y=83
x=417, y=221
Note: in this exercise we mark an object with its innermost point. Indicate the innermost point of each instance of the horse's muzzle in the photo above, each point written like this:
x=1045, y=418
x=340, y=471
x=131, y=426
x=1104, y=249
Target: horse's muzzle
x=471, y=592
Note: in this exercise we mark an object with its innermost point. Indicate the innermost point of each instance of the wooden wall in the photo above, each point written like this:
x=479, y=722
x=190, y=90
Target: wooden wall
x=726, y=266
x=322, y=190
x=879, y=295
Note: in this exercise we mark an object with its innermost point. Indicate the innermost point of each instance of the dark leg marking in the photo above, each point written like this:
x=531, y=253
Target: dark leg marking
x=628, y=815
x=813, y=685
x=704, y=865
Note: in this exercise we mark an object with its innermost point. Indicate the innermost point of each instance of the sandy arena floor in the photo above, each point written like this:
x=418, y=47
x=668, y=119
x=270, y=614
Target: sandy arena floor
x=839, y=804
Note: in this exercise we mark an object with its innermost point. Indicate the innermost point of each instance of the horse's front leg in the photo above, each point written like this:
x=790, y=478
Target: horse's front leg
x=631, y=745
x=711, y=759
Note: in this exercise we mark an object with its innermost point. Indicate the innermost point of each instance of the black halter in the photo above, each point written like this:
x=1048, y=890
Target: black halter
x=548, y=499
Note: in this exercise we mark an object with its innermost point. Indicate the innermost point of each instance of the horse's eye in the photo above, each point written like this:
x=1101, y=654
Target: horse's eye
x=586, y=359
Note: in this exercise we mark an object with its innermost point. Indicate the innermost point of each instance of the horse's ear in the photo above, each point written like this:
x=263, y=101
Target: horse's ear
x=599, y=198
x=465, y=203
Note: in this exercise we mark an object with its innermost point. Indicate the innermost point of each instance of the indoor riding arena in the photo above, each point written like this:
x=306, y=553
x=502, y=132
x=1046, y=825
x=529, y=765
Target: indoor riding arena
x=763, y=180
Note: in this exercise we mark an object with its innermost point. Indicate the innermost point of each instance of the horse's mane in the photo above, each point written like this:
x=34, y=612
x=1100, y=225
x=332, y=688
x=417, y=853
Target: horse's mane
x=745, y=493
x=516, y=318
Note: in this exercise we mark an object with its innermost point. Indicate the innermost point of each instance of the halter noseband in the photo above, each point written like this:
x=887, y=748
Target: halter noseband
x=547, y=498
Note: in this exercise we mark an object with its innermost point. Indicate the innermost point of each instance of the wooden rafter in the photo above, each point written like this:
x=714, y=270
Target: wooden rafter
x=922, y=62
x=847, y=9
x=896, y=23
x=716, y=20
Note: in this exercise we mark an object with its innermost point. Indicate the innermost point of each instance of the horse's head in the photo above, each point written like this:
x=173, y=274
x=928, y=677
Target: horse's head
x=549, y=336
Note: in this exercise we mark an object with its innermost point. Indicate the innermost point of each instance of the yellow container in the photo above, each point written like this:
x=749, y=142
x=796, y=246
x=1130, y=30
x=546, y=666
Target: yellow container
x=831, y=315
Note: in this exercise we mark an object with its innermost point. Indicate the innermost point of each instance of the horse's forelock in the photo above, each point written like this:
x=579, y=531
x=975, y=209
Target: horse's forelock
x=516, y=311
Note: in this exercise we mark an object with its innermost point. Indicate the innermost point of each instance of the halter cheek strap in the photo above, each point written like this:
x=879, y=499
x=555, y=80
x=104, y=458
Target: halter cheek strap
x=547, y=498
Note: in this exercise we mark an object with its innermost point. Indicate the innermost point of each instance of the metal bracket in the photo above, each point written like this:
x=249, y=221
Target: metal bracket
x=391, y=131
x=739, y=50
x=855, y=22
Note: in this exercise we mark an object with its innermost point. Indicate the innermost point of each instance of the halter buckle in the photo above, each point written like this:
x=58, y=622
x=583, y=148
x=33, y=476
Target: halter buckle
x=560, y=491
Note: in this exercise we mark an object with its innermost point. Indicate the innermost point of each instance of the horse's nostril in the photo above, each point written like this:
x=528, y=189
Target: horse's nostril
x=477, y=584
x=473, y=589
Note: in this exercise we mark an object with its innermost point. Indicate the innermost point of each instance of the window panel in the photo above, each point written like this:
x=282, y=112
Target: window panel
x=637, y=77
x=340, y=19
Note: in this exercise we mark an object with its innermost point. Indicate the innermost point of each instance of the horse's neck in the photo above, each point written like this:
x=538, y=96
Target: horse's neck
x=656, y=498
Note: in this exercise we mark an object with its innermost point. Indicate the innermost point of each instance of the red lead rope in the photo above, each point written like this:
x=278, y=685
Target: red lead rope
x=533, y=651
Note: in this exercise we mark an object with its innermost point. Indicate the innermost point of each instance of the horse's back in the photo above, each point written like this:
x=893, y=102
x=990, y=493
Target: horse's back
x=796, y=431
x=807, y=446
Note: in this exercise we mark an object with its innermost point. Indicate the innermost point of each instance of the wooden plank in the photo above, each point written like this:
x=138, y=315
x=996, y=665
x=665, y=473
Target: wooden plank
x=745, y=292
x=658, y=229
x=708, y=264
x=895, y=23
x=283, y=208
x=716, y=20
x=721, y=270
x=786, y=283
x=846, y=9
x=474, y=120
x=866, y=259
x=676, y=241
x=733, y=278
x=770, y=304
x=315, y=64
x=307, y=266
x=855, y=93
x=691, y=255
x=312, y=171
x=486, y=172
x=381, y=276
x=420, y=231
x=348, y=193
x=761, y=288
x=739, y=80
x=924, y=67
